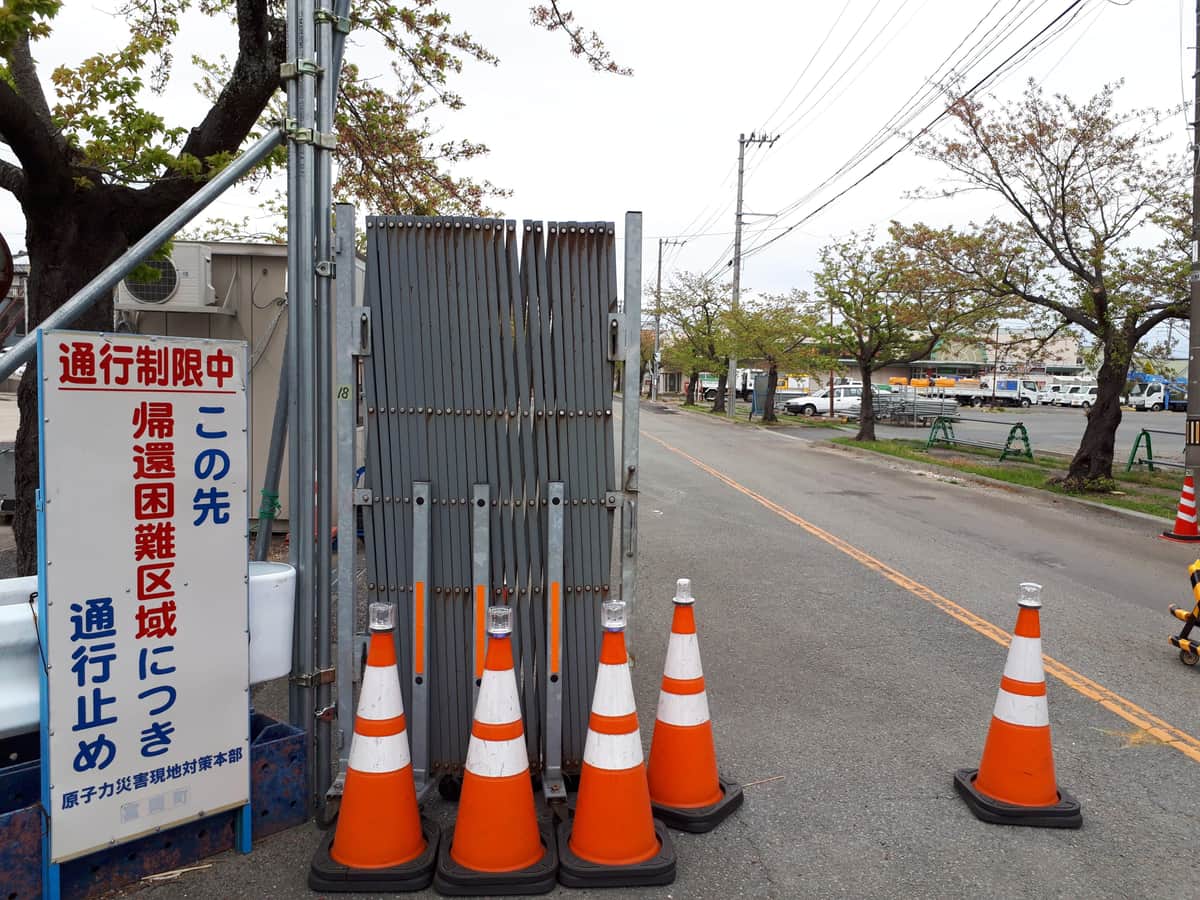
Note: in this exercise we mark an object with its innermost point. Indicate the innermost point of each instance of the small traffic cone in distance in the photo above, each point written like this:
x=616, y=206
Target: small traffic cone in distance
x=1015, y=783
x=1185, y=530
x=685, y=788
x=498, y=846
x=381, y=842
x=614, y=840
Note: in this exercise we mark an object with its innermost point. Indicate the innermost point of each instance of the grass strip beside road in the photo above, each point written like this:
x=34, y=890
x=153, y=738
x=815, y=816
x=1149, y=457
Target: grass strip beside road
x=1153, y=493
x=1161, y=730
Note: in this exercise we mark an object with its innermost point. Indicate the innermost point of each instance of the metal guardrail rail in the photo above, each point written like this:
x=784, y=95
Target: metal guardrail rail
x=1149, y=461
x=1015, y=444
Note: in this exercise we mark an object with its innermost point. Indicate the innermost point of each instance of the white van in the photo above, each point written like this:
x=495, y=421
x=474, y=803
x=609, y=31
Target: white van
x=1085, y=397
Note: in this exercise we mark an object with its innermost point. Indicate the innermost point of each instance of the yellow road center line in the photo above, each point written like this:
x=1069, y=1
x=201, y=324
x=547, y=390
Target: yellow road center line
x=1128, y=710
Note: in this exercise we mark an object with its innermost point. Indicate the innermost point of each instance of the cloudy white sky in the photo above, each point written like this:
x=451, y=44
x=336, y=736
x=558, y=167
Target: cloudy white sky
x=824, y=76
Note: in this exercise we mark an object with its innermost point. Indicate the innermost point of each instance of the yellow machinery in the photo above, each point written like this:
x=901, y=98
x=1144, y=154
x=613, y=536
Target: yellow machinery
x=1189, y=650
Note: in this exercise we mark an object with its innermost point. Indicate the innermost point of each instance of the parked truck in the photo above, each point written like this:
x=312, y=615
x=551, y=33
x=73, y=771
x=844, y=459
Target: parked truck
x=743, y=387
x=983, y=392
x=1153, y=392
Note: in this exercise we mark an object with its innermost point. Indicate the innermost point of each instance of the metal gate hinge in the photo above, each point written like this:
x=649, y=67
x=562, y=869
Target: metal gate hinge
x=326, y=268
x=616, y=352
x=294, y=68
x=340, y=23
x=364, y=333
x=325, y=714
x=312, y=679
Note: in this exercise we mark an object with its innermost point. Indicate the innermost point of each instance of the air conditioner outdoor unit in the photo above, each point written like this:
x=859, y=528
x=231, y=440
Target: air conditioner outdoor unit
x=184, y=283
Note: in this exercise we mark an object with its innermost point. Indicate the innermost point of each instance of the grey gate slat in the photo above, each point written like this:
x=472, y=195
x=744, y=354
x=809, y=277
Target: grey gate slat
x=441, y=676
x=374, y=532
x=524, y=638
x=395, y=488
x=457, y=531
x=574, y=687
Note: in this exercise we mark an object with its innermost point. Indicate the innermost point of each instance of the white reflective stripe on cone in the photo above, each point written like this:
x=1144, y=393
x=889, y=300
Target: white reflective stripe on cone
x=380, y=696
x=683, y=657
x=498, y=702
x=379, y=754
x=682, y=709
x=1025, y=660
x=1017, y=709
x=1182, y=515
x=613, y=751
x=497, y=759
x=614, y=691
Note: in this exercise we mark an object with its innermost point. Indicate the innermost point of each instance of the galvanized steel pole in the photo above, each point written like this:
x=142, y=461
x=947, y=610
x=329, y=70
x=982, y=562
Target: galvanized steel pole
x=323, y=310
x=346, y=395
x=103, y=283
x=629, y=406
x=301, y=430
x=1192, y=438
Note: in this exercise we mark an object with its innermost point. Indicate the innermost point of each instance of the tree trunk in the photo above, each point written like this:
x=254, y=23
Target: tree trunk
x=866, y=409
x=65, y=253
x=689, y=398
x=1094, y=458
x=719, y=402
x=769, y=402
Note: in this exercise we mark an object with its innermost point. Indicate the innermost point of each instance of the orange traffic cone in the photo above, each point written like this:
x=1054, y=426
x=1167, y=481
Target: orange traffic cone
x=1014, y=784
x=498, y=845
x=614, y=840
x=685, y=789
x=1185, y=531
x=381, y=842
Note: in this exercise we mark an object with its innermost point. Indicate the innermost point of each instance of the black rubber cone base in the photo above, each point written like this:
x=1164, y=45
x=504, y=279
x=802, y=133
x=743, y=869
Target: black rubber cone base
x=1180, y=538
x=454, y=880
x=703, y=818
x=326, y=874
x=1066, y=813
x=573, y=871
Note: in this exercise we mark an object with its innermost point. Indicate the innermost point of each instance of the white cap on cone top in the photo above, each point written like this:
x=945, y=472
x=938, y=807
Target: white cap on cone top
x=382, y=617
x=613, y=615
x=499, y=621
x=1031, y=595
x=683, y=591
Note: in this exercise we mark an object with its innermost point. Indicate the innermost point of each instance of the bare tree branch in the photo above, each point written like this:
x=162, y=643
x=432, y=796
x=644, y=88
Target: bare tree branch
x=589, y=45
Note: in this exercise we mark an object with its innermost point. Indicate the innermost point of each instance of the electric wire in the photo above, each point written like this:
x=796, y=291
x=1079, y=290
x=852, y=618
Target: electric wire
x=1071, y=7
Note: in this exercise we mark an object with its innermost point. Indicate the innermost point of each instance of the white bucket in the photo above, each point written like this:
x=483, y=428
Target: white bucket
x=18, y=665
x=17, y=590
x=272, y=612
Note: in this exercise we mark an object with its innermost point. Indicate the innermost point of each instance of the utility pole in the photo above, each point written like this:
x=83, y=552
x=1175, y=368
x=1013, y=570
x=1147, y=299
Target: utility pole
x=831, y=360
x=658, y=314
x=731, y=378
x=1192, y=437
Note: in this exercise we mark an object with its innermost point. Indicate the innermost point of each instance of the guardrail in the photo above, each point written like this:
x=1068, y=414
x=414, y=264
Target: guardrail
x=1149, y=461
x=942, y=432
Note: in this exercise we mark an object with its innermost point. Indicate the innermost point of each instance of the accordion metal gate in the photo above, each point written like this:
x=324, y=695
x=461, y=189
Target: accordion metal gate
x=490, y=464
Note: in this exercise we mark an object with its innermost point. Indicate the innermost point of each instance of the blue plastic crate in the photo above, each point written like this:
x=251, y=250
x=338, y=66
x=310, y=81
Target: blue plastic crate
x=278, y=781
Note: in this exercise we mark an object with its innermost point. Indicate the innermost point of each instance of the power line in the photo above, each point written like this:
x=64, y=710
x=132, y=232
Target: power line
x=912, y=140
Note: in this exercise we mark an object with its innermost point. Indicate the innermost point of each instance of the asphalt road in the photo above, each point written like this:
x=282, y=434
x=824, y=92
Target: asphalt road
x=849, y=612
